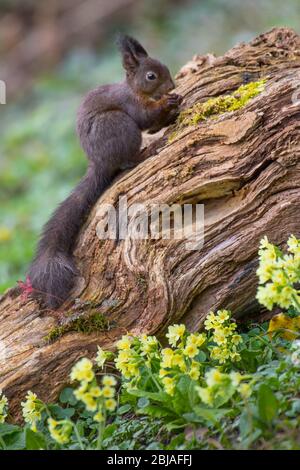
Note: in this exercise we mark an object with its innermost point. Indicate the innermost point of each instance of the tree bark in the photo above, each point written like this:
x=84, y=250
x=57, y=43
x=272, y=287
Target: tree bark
x=243, y=166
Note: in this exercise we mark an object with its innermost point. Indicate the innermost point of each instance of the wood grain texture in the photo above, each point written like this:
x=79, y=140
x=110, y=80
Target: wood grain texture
x=244, y=166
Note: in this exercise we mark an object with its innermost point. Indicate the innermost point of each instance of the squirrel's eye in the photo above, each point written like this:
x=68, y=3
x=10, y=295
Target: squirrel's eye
x=151, y=76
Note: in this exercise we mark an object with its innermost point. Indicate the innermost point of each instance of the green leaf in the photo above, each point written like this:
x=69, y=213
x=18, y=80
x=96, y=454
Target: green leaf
x=61, y=413
x=154, y=446
x=123, y=409
x=67, y=396
x=143, y=402
x=156, y=411
x=210, y=415
x=245, y=424
x=157, y=396
x=267, y=403
x=175, y=425
x=6, y=429
x=183, y=385
x=15, y=441
x=109, y=430
x=201, y=356
x=34, y=440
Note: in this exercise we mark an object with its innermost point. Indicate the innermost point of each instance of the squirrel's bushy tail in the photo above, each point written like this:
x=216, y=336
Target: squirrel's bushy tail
x=52, y=273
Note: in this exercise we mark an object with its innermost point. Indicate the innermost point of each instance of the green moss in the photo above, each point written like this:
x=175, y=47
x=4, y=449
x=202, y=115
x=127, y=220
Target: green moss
x=54, y=334
x=216, y=106
x=87, y=324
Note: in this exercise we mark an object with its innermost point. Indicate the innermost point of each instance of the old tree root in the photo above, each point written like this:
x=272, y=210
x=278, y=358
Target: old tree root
x=239, y=155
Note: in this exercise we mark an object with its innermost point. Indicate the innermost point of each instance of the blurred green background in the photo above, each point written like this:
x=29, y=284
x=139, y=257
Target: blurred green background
x=52, y=52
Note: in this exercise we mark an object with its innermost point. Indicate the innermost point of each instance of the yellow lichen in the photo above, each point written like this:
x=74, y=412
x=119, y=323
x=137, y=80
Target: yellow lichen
x=213, y=107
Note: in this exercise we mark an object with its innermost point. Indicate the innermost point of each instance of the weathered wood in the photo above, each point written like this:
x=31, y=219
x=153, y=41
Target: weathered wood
x=244, y=166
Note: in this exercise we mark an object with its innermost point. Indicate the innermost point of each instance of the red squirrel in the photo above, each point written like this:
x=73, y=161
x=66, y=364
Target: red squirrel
x=110, y=122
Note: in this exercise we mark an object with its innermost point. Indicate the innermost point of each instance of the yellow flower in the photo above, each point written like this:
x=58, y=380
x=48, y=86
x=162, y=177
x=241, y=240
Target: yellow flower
x=211, y=321
x=196, y=339
x=101, y=357
x=205, y=395
x=95, y=392
x=220, y=337
x=3, y=407
x=267, y=250
x=220, y=354
x=293, y=244
x=235, y=356
x=52, y=422
x=109, y=380
x=169, y=385
x=88, y=395
x=178, y=360
x=148, y=344
x=283, y=271
x=190, y=350
x=80, y=392
x=235, y=377
x=126, y=363
x=110, y=404
x=60, y=431
x=291, y=265
x=194, y=372
x=278, y=277
x=265, y=244
x=267, y=295
x=214, y=377
x=175, y=333
x=5, y=234
x=236, y=339
x=133, y=370
x=123, y=356
x=167, y=356
x=90, y=402
x=124, y=344
x=31, y=410
x=108, y=392
x=285, y=297
x=82, y=371
x=99, y=417
x=129, y=385
x=264, y=273
x=223, y=315
x=162, y=373
x=245, y=390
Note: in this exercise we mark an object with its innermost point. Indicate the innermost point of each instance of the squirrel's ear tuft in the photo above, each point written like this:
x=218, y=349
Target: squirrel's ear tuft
x=132, y=51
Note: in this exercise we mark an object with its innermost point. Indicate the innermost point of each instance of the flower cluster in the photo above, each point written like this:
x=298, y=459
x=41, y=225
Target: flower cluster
x=184, y=355
x=60, y=431
x=278, y=274
x=224, y=336
x=32, y=409
x=129, y=357
x=96, y=399
x=101, y=357
x=3, y=407
x=220, y=387
x=182, y=359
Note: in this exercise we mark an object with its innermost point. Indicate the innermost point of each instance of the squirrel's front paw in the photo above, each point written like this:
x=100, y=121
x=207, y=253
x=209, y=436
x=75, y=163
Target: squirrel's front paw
x=174, y=100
